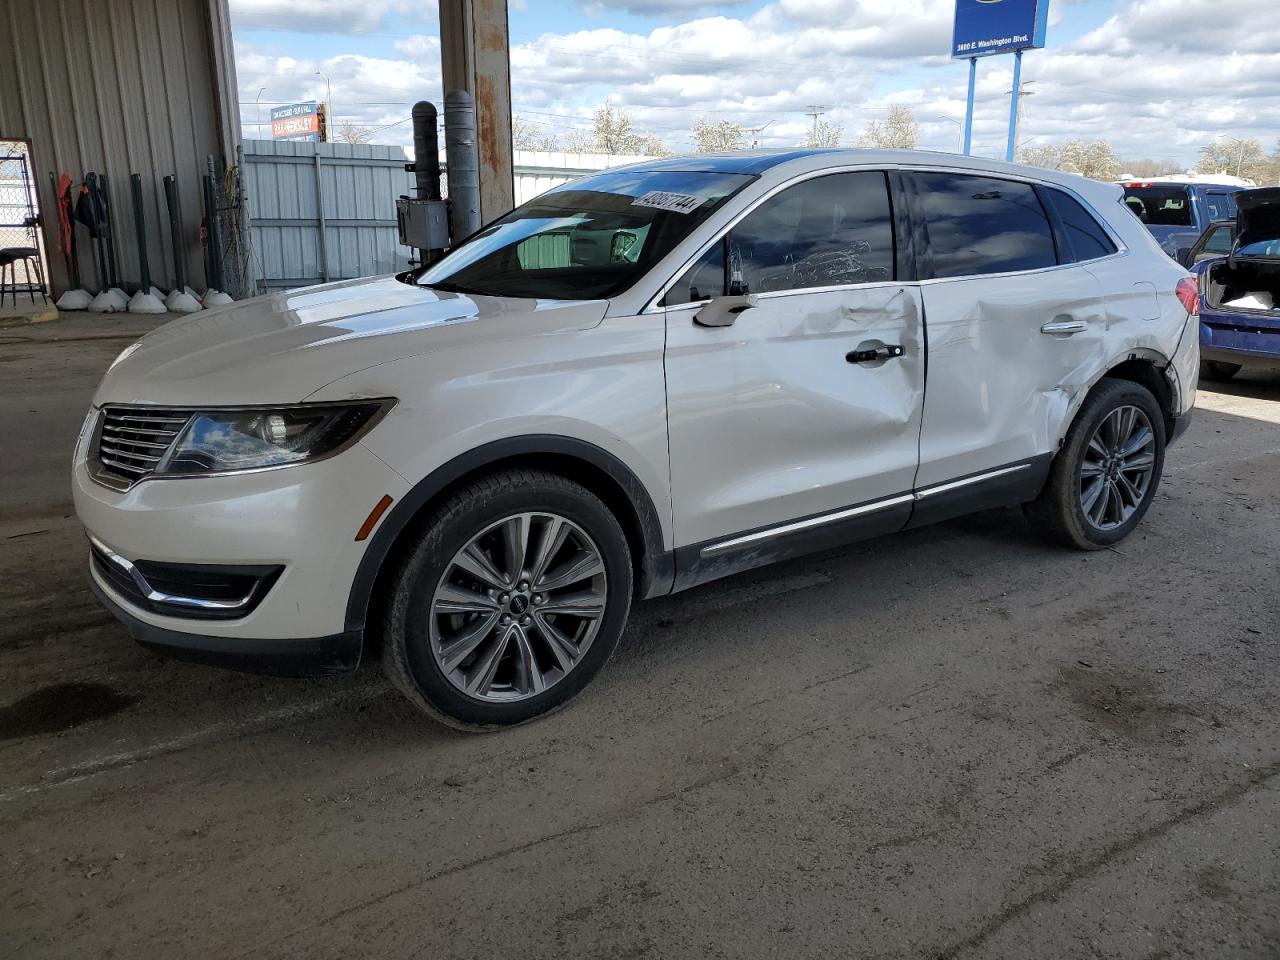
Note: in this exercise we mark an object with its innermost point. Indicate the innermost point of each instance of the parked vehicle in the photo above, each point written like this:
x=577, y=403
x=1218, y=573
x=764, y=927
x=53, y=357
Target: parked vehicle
x=633, y=384
x=1215, y=242
x=1240, y=305
x=1178, y=209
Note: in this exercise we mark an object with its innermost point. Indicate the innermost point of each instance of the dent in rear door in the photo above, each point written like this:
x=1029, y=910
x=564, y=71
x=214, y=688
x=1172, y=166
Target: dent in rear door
x=1000, y=379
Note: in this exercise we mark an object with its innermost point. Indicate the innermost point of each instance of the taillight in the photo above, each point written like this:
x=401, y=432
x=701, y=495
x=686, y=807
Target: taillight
x=1188, y=291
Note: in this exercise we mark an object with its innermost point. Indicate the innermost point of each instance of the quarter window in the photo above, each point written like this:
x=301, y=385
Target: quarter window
x=1085, y=238
x=830, y=231
x=980, y=225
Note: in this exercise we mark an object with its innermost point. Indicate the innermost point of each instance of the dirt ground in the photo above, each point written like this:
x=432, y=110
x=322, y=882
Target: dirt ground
x=959, y=742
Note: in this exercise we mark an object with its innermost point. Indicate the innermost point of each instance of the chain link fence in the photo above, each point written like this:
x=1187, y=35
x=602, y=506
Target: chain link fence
x=19, y=213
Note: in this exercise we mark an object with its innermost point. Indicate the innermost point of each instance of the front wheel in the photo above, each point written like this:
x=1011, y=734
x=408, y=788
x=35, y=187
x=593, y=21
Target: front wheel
x=511, y=601
x=1105, y=476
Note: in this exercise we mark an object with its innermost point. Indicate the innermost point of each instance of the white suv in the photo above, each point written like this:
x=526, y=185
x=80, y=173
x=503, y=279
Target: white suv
x=635, y=383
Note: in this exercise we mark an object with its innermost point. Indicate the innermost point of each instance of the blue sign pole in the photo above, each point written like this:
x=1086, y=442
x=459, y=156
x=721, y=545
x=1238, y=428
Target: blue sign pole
x=968, y=108
x=1013, y=106
x=984, y=28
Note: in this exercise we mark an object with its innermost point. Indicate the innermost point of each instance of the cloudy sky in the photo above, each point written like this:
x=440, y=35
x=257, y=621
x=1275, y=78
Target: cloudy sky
x=1157, y=78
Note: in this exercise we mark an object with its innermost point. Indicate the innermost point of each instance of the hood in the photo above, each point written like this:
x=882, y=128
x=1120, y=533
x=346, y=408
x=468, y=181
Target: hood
x=1257, y=224
x=283, y=347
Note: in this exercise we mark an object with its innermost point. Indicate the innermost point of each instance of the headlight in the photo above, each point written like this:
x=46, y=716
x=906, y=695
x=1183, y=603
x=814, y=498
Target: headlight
x=218, y=441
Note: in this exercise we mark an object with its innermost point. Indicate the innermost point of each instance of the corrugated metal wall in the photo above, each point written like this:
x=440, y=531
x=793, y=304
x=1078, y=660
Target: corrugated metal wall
x=356, y=191
x=121, y=87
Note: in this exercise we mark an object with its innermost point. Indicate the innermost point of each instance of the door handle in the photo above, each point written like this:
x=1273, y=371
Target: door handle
x=885, y=352
x=1064, y=327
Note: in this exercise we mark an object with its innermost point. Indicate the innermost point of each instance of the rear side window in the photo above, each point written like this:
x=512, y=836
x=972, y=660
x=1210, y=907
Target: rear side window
x=1084, y=238
x=1222, y=206
x=1160, y=206
x=981, y=225
x=830, y=231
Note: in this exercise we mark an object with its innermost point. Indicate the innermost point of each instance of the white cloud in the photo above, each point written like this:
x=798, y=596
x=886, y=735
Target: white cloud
x=324, y=16
x=1158, y=78
x=654, y=8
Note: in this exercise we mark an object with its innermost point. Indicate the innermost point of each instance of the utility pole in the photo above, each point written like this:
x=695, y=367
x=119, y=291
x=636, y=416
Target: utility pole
x=815, y=110
x=1016, y=110
x=756, y=131
x=1240, y=160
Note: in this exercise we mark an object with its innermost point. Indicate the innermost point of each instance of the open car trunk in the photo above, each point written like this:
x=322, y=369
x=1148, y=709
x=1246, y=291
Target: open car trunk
x=1250, y=277
x=1246, y=285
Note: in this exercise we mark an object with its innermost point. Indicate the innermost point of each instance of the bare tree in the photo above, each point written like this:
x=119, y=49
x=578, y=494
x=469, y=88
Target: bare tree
x=530, y=135
x=720, y=135
x=824, y=134
x=1093, y=158
x=1147, y=168
x=1240, y=158
x=348, y=132
x=898, y=131
x=613, y=131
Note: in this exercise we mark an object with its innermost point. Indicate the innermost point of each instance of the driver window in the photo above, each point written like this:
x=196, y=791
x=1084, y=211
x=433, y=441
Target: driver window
x=831, y=231
x=827, y=232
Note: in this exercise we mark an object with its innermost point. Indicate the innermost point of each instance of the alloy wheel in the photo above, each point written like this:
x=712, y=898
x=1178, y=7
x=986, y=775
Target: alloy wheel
x=1117, y=467
x=517, y=607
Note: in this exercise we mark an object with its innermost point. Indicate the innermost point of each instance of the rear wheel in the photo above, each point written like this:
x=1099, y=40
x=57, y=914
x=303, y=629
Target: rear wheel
x=512, y=600
x=1217, y=370
x=1106, y=474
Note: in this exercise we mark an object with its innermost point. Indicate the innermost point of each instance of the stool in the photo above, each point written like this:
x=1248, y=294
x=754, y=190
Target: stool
x=9, y=258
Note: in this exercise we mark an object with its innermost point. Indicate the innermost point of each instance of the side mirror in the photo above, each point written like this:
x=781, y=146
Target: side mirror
x=723, y=311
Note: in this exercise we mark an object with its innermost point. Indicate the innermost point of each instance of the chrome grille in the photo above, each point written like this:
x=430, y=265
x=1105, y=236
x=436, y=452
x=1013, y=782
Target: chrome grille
x=131, y=441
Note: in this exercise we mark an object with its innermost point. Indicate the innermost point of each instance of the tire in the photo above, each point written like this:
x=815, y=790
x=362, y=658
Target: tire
x=549, y=643
x=1063, y=508
x=1217, y=370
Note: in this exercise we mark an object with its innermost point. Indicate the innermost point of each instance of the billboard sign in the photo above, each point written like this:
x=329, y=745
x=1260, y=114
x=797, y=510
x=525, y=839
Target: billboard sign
x=987, y=27
x=296, y=121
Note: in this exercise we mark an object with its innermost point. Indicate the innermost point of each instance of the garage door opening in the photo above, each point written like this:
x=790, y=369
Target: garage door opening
x=22, y=253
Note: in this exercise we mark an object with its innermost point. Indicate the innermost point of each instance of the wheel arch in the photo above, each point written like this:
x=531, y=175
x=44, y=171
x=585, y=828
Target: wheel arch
x=595, y=468
x=1149, y=368
x=1143, y=366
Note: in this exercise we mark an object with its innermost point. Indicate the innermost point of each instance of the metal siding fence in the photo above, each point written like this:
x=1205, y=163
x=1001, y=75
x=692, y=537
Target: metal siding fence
x=357, y=236
x=324, y=211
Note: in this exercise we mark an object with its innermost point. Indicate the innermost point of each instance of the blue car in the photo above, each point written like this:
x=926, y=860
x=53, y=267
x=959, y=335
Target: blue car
x=1177, y=212
x=1240, y=293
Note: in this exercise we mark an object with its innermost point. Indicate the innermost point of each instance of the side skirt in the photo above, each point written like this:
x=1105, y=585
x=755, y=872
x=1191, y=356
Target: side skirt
x=1014, y=483
x=1001, y=487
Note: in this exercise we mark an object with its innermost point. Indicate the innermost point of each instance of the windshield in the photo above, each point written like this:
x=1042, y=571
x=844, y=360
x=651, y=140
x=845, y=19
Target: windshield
x=585, y=240
x=1160, y=206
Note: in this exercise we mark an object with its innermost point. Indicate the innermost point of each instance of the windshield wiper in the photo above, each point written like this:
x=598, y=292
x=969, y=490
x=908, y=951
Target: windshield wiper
x=449, y=287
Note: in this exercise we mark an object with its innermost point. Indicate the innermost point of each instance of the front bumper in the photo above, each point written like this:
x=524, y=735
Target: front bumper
x=300, y=521
x=320, y=656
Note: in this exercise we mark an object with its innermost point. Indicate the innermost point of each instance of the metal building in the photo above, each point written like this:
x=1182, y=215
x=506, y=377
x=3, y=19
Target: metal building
x=121, y=87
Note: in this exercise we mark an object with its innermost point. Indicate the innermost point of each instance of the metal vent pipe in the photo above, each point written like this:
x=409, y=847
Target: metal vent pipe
x=463, y=159
x=426, y=151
